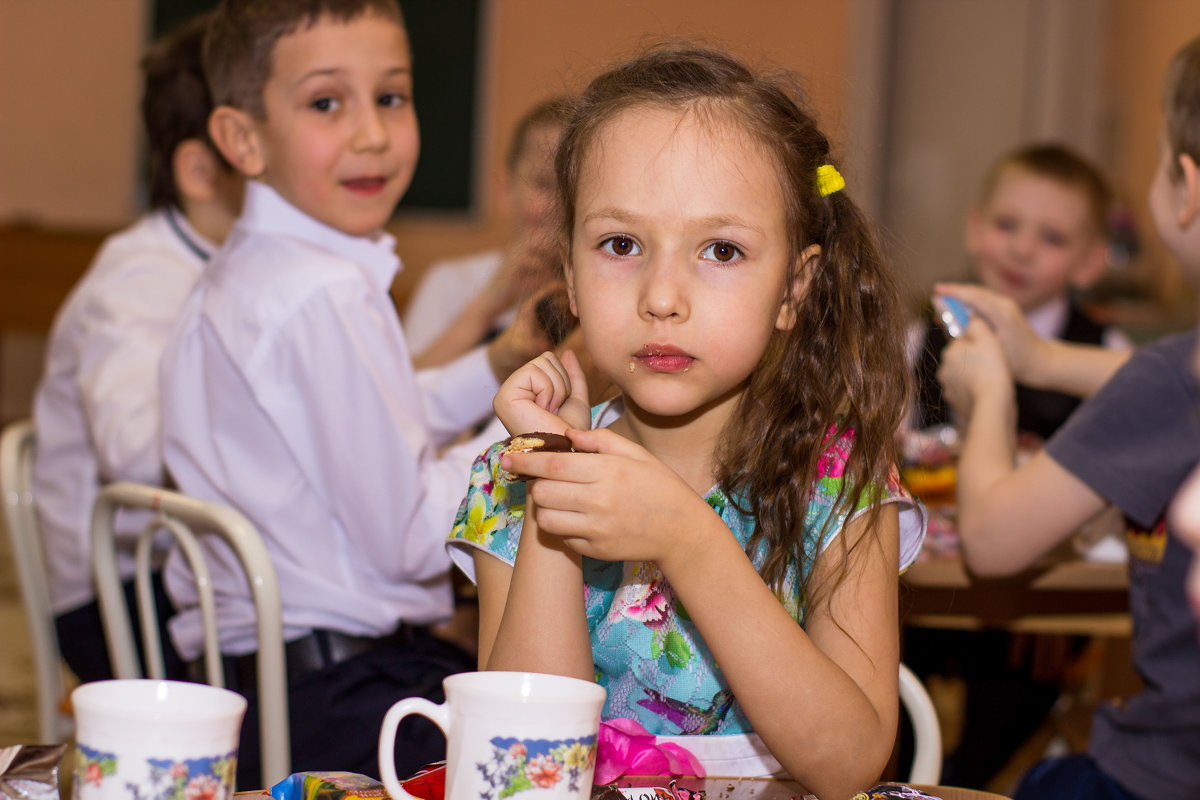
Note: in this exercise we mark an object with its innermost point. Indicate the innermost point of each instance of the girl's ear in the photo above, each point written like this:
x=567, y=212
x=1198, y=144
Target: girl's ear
x=235, y=134
x=802, y=273
x=1190, y=207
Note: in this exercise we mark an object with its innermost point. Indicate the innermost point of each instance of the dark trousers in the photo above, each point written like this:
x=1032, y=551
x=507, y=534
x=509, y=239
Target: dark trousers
x=1073, y=777
x=335, y=713
x=81, y=636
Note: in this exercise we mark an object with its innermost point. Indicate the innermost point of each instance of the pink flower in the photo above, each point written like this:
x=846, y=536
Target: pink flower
x=93, y=774
x=202, y=787
x=518, y=750
x=178, y=772
x=544, y=772
x=650, y=607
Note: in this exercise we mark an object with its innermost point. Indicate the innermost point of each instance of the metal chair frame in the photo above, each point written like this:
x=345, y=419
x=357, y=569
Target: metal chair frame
x=183, y=517
x=17, y=445
x=926, y=765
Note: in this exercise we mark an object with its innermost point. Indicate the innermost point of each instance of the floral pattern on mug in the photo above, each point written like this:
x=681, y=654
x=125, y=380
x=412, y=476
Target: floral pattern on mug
x=208, y=778
x=519, y=765
x=93, y=766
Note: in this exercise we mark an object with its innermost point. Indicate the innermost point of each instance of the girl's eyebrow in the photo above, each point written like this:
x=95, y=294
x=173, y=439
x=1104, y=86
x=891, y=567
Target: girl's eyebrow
x=628, y=217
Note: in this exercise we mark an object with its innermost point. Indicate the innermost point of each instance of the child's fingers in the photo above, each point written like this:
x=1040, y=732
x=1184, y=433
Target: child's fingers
x=602, y=440
x=575, y=374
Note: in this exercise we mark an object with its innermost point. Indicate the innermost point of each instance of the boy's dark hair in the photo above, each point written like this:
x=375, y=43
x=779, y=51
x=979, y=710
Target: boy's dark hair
x=553, y=111
x=175, y=104
x=1063, y=165
x=841, y=366
x=1181, y=105
x=240, y=46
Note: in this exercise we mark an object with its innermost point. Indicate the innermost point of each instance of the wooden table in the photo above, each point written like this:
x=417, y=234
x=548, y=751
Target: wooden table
x=1071, y=597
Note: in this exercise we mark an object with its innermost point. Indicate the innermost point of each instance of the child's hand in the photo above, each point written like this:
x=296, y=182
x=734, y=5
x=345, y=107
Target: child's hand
x=1021, y=345
x=547, y=394
x=972, y=366
x=612, y=500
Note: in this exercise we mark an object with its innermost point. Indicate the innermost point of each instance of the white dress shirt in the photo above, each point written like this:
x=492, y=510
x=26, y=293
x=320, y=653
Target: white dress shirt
x=96, y=407
x=288, y=393
x=444, y=291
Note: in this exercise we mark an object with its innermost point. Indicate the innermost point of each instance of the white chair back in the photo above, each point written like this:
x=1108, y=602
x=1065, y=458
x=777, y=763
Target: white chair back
x=185, y=518
x=17, y=444
x=927, y=732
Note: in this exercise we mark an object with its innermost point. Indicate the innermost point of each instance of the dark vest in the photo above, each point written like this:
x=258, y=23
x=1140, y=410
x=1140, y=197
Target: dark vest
x=1038, y=411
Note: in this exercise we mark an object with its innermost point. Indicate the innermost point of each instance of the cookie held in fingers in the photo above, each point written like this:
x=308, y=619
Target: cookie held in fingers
x=537, y=442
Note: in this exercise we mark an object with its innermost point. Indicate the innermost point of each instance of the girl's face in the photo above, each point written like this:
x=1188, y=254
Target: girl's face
x=679, y=270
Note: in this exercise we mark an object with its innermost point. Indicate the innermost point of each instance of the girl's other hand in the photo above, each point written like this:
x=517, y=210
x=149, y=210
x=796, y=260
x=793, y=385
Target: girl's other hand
x=547, y=394
x=1019, y=342
x=612, y=500
x=972, y=365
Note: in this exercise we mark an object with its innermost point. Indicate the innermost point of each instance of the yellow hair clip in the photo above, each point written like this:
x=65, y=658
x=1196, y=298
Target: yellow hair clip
x=829, y=180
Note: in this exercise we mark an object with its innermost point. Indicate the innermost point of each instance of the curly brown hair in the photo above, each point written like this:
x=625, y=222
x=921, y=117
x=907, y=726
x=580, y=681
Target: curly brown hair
x=842, y=365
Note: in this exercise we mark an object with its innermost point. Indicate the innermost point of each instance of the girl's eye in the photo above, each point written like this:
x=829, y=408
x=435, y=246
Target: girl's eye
x=620, y=246
x=324, y=104
x=1054, y=239
x=392, y=100
x=721, y=251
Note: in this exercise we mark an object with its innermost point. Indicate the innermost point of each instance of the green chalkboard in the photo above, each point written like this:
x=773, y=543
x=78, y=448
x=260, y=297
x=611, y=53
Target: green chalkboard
x=445, y=37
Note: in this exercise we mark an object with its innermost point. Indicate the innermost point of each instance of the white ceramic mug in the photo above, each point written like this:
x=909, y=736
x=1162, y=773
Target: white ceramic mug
x=518, y=735
x=155, y=740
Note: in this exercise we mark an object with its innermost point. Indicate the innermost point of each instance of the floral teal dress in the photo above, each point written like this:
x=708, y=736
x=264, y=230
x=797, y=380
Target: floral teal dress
x=648, y=653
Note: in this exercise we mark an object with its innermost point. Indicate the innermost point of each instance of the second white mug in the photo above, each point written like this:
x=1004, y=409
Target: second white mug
x=519, y=735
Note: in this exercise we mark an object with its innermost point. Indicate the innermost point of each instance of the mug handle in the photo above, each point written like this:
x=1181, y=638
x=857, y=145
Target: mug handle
x=440, y=714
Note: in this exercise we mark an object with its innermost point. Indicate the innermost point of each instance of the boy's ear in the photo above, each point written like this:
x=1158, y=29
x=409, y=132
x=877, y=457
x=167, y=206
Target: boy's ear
x=1091, y=267
x=1190, y=207
x=194, y=168
x=973, y=231
x=235, y=134
x=805, y=263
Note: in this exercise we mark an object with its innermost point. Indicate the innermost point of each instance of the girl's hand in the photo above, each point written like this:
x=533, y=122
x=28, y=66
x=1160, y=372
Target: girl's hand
x=612, y=500
x=547, y=394
x=1021, y=345
x=973, y=365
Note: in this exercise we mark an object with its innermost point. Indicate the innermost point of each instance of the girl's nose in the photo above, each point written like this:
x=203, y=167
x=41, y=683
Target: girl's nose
x=664, y=289
x=1022, y=244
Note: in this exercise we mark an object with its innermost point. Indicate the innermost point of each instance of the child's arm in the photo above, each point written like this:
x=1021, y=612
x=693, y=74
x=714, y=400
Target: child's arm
x=1007, y=516
x=1052, y=364
x=533, y=617
x=824, y=701
x=531, y=614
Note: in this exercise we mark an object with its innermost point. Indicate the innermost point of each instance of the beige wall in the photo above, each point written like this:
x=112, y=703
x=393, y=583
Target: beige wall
x=68, y=87
x=68, y=125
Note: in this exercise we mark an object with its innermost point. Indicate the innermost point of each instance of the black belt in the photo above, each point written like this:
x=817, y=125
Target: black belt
x=318, y=650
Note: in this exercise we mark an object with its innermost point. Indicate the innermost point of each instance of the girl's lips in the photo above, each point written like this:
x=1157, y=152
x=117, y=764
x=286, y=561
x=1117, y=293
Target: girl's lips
x=365, y=185
x=663, y=358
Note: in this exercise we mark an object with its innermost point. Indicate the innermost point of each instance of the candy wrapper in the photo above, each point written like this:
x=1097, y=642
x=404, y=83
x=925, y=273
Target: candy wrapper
x=30, y=771
x=327, y=786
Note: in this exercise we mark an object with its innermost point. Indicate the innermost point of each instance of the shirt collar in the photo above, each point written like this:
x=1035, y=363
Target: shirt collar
x=265, y=210
x=188, y=236
x=1049, y=319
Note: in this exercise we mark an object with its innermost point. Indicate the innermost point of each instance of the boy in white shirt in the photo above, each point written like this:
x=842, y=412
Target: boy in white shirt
x=288, y=389
x=96, y=408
